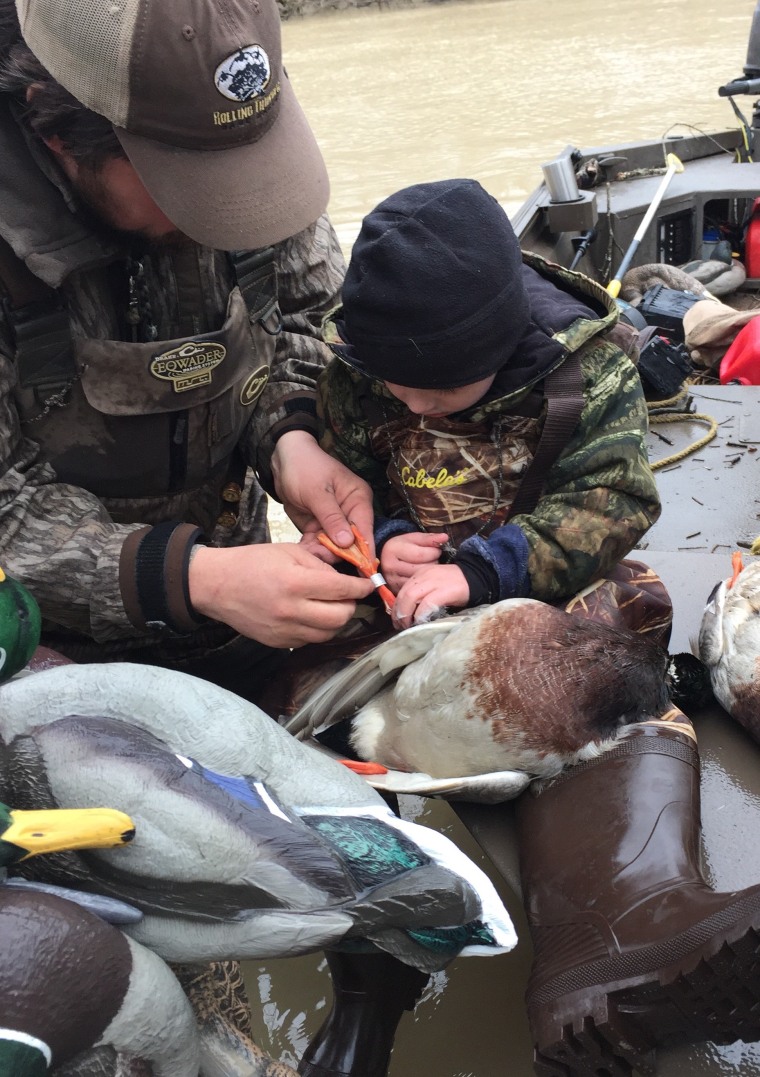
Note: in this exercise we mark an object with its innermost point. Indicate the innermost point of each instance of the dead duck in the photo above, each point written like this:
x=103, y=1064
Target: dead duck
x=479, y=703
x=249, y=844
x=729, y=643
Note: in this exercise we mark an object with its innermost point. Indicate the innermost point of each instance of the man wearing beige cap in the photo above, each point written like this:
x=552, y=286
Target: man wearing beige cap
x=166, y=266
x=165, y=263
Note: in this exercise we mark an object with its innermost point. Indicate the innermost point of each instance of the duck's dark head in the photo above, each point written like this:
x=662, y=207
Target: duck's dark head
x=616, y=676
x=688, y=682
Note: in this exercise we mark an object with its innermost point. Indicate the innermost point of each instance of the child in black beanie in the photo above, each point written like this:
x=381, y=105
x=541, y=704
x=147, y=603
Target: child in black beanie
x=482, y=395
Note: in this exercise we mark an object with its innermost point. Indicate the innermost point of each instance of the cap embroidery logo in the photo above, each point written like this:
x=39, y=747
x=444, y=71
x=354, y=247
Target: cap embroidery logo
x=253, y=386
x=188, y=365
x=244, y=74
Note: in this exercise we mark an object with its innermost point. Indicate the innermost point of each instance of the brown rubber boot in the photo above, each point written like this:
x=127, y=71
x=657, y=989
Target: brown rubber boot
x=633, y=950
x=370, y=994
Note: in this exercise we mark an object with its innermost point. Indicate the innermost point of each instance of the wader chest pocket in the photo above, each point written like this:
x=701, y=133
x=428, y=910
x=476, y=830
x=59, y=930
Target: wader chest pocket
x=150, y=418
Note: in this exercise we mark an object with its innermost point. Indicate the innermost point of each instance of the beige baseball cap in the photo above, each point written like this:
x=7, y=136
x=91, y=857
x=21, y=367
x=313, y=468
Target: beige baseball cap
x=200, y=101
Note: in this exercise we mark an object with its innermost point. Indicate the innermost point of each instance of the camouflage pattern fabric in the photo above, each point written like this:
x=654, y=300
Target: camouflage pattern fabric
x=219, y=1000
x=62, y=540
x=460, y=476
x=632, y=596
x=599, y=497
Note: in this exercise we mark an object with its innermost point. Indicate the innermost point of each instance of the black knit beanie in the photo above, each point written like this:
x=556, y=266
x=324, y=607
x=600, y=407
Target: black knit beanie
x=433, y=295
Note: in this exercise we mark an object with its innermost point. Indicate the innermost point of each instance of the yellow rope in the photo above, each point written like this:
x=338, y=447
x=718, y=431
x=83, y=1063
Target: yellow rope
x=658, y=414
x=656, y=405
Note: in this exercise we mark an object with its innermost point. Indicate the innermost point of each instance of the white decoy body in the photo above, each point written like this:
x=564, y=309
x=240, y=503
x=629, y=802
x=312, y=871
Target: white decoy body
x=478, y=703
x=248, y=843
x=729, y=645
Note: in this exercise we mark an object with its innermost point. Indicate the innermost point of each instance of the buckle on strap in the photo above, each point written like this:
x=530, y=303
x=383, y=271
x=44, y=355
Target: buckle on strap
x=256, y=277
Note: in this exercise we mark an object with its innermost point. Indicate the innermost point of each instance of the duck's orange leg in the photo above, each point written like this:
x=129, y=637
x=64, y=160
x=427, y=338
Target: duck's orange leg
x=737, y=565
x=358, y=555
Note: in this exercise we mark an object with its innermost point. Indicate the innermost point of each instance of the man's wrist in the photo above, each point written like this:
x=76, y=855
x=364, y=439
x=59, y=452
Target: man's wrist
x=202, y=589
x=291, y=437
x=287, y=443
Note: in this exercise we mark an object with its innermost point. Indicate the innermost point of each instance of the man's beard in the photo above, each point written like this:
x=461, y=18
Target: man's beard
x=98, y=210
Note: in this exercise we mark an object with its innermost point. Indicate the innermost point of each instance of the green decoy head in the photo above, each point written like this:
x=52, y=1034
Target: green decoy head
x=19, y=626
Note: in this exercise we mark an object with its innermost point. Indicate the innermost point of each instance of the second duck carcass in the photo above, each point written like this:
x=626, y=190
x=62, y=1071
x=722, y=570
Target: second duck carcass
x=729, y=644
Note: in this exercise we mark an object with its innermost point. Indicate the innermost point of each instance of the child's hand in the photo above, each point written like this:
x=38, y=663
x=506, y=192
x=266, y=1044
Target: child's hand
x=403, y=555
x=431, y=588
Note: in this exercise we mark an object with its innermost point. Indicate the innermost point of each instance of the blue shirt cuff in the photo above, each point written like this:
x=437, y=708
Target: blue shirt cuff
x=506, y=551
x=386, y=528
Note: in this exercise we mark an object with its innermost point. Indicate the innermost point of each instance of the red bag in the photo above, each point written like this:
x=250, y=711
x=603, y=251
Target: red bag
x=741, y=363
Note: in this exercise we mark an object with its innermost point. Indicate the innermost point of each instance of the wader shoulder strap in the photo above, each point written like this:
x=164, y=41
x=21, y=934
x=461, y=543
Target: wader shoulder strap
x=256, y=278
x=563, y=389
x=39, y=326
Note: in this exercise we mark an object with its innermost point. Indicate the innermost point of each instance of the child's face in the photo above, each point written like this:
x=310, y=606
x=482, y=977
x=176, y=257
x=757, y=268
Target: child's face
x=435, y=403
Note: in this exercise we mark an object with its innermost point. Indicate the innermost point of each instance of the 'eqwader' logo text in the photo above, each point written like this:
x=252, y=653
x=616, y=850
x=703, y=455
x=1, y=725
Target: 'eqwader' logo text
x=188, y=365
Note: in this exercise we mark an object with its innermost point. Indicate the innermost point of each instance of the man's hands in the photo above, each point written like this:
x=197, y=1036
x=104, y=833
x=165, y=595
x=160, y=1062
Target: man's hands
x=281, y=594
x=403, y=555
x=320, y=494
x=430, y=589
x=276, y=593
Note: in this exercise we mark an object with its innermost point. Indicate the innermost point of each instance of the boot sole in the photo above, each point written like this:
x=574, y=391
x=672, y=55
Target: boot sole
x=612, y=1029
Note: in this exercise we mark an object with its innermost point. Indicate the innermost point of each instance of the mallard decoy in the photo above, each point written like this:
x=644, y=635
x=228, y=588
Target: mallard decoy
x=80, y=997
x=729, y=644
x=477, y=704
x=74, y=988
x=721, y=274
x=19, y=626
x=249, y=844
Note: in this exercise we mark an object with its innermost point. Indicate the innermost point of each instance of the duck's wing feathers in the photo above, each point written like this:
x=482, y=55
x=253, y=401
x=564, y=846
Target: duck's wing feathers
x=349, y=689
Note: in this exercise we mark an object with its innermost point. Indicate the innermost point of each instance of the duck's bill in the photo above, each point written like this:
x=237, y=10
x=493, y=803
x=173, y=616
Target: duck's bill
x=57, y=830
